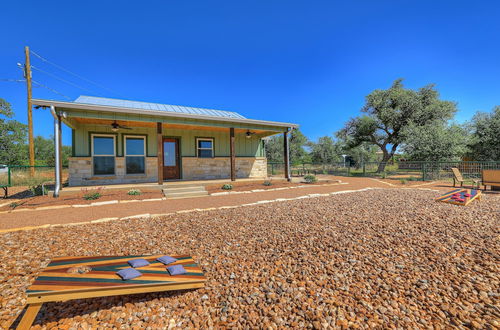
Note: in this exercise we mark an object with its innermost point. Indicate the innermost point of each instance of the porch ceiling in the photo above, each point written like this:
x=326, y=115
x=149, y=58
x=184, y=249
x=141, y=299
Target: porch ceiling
x=132, y=124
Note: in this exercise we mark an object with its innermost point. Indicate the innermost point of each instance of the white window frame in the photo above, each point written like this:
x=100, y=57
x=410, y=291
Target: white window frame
x=125, y=152
x=211, y=149
x=92, y=152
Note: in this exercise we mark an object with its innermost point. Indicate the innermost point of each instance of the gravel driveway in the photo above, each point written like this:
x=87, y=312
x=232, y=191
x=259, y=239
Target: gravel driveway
x=380, y=257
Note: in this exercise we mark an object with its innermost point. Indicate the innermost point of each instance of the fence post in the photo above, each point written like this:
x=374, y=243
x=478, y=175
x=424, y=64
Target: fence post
x=423, y=171
x=349, y=170
x=364, y=169
x=8, y=176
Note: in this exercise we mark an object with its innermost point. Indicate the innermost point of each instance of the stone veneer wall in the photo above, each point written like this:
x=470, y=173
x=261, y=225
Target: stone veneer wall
x=194, y=168
x=80, y=172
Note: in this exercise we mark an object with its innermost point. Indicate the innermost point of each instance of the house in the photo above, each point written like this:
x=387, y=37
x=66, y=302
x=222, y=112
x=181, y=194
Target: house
x=120, y=141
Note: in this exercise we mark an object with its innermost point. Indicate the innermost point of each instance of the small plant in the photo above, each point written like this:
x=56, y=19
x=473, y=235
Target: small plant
x=267, y=183
x=310, y=178
x=134, y=192
x=227, y=186
x=403, y=181
x=92, y=194
x=36, y=190
x=13, y=205
x=383, y=175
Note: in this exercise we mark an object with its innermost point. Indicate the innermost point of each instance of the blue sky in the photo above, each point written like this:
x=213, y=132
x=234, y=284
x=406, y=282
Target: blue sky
x=307, y=62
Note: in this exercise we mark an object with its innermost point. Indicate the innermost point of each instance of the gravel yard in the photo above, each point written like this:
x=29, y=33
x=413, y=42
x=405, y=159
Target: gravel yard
x=379, y=257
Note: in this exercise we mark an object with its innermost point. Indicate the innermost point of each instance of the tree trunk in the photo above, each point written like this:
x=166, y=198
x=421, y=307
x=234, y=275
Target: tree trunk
x=383, y=163
x=387, y=156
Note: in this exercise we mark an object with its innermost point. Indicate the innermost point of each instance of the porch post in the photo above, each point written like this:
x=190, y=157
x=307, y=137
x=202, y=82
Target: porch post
x=160, y=152
x=286, y=155
x=233, y=156
x=60, y=151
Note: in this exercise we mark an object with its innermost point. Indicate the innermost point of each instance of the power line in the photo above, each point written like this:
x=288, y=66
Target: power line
x=12, y=80
x=51, y=89
x=72, y=73
x=62, y=79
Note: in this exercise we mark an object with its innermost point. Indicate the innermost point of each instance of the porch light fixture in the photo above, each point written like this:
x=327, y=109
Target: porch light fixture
x=249, y=134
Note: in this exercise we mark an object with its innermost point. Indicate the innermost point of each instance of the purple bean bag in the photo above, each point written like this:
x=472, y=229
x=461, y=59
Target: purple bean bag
x=128, y=273
x=176, y=270
x=166, y=260
x=138, y=263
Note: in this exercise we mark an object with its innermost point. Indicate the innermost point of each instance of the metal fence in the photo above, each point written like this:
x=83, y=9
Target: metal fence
x=20, y=175
x=404, y=170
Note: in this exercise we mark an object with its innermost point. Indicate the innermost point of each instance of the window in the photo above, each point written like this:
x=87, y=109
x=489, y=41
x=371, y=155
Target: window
x=205, y=147
x=103, y=154
x=135, y=154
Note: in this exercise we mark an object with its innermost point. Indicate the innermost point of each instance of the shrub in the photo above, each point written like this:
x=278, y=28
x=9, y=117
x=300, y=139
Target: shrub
x=227, y=186
x=267, y=183
x=36, y=190
x=134, y=192
x=13, y=205
x=92, y=194
x=310, y=178
x=403, y=181
x=383, y=175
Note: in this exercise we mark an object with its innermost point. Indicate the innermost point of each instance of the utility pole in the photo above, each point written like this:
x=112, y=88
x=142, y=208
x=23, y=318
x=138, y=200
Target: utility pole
x=27, y=76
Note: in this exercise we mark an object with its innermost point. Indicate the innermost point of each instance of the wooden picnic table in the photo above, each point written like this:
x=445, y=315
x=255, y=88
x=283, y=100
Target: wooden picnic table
x=54, y=283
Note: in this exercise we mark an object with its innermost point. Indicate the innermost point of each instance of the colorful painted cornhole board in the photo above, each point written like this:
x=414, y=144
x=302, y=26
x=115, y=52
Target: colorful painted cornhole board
x=460, y=196
x=54, y=283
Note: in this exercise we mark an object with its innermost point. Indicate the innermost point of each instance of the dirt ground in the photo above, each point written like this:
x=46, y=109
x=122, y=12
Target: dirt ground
x=77, y=198
x=70, y=215
x=253, y=185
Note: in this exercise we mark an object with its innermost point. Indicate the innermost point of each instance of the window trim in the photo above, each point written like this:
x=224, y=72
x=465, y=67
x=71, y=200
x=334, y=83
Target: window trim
x=92, y=152
x=143, y=137
x=211, y=139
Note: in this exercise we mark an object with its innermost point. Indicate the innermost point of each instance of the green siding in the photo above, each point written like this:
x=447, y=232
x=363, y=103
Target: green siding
x=244, y=147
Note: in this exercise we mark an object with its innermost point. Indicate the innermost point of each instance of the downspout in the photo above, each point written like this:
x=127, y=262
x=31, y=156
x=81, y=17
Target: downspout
x=57, y=123
x=289, y=135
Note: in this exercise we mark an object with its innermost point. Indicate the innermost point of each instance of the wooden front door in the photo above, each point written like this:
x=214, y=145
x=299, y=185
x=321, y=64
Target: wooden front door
x=171, y=166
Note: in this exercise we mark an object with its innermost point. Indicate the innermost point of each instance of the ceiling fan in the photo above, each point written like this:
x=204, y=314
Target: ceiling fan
x=115, y=126
x=249, y=134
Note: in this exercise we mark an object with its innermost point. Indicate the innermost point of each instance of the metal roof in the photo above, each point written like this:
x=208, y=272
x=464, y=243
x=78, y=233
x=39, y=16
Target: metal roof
x=162, y=113
x=83, y=99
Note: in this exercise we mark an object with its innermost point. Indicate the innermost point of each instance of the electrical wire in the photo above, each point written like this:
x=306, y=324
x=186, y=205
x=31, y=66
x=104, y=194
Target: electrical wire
x=12, y=80
x=62, y=79
x=72, y=73
x=50, y=89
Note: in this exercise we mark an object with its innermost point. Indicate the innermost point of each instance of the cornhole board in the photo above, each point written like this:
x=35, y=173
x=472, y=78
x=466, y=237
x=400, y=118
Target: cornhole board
x=448, y=197
x=54, y=283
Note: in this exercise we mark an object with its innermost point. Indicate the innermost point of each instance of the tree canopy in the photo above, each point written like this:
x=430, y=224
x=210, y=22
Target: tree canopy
x=436, y=142
x=297, y=147
x=486, y=135
x=12, y=137
x=388, y=113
